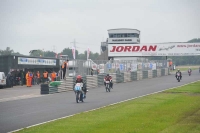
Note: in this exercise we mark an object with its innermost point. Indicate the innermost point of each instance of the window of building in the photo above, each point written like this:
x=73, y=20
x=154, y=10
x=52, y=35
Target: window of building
x=114, y=35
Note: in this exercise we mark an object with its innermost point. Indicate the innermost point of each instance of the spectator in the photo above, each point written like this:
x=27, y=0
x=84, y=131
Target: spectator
x=8, y=81
x=22, y=78
x=30, y=78
x=27, y=79
x=38, y=77
x=92, y=72
x=45, y=76
x=64, y=67
x=53, y=76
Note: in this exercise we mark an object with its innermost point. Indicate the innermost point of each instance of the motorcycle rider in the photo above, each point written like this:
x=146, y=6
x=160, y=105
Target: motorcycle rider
x=189, y=70
x=80, y=80
x=108, y=78
x=178, y=71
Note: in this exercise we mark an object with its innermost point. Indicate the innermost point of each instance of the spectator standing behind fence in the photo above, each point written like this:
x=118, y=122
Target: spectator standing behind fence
x=64, y=67
x=92, y=72
x=10, y=79
x=35, y=78
x=53, y=76
x=45, y=76
x=27, y=79
x=22, y=78
x=38, y=77
x=30, y=78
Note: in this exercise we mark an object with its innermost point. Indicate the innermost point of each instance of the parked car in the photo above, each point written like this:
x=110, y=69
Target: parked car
x=2, y=80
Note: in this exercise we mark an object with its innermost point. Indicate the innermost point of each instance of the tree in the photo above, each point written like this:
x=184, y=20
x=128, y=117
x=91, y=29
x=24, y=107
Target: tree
x=49, y=54
x=37, y=53
x=82, y=56
x=7, y=51
x=194, y=40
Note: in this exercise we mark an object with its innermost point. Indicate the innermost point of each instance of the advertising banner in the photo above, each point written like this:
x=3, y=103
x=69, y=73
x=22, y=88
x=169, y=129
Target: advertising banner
x=36, y=61
x=133, y=67
x=167, y=49
x=153, y=66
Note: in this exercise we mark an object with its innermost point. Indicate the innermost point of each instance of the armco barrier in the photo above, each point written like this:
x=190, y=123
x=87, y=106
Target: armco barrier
x=139, y=75
x=154, y=72
x=46, y=89
x=98, y=80
x=127, y=76
x=133, y=76
x=158, y=72
x=119, y=78
x=113, y=77
x=91, y=81
x=166, y=71
x=150, y=74
x=162, y=72
x=144, y=74
x=122, y=77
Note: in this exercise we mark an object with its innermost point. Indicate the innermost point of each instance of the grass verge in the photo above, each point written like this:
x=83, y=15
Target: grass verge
x=175, y=111
x=185, y=68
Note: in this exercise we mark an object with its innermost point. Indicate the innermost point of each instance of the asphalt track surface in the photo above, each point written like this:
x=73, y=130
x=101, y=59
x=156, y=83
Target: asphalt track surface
x=20, y=113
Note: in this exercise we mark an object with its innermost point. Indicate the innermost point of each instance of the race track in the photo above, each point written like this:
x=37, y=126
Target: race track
x=16, y=114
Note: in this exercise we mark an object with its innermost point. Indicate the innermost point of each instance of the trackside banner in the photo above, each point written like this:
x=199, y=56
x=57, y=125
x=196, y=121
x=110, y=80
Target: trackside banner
x=167, y=49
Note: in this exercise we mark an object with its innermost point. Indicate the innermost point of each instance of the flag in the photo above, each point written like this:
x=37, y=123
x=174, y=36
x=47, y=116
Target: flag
x=88, y=53
x=74, y=52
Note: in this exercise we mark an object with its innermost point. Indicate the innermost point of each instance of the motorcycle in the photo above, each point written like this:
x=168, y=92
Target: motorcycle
x=178, y=77
x=189, y=73
x=78, y=92
x=107, y=86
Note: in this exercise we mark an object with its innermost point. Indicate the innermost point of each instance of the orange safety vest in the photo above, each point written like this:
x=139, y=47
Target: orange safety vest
x=27, y=75
x=64, y=65
x=53, y=75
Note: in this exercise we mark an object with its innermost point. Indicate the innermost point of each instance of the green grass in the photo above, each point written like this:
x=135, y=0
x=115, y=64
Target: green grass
x=172, y=111
x=185, y=68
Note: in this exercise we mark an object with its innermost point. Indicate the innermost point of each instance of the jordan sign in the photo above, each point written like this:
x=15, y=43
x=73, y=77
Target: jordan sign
x=167, y=49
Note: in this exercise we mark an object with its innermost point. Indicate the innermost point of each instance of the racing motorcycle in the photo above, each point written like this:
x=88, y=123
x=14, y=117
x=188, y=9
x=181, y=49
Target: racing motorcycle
x=78, y=92
x=189, y=72
x=107, y=86
x=178, y=76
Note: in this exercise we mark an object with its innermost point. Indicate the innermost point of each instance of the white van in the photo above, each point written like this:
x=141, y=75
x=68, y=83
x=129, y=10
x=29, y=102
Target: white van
x=2, y=80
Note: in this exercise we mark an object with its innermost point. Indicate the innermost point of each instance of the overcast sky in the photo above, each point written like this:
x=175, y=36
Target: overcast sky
x=53, y=24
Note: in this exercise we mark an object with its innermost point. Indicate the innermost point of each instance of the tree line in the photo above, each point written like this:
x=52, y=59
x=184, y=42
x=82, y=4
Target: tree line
x=51, y=54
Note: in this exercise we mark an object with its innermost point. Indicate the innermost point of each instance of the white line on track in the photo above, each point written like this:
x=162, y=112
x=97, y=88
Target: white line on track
x=102, y=107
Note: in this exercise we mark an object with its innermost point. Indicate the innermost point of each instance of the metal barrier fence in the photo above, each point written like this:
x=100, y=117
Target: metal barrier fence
x=97, y=80
x=89, y=67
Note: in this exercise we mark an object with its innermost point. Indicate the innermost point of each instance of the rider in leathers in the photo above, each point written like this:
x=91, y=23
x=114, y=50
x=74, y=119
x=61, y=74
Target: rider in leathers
x=80, y=80
x=180, y=74
x=189, y=70
x=108, y=78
